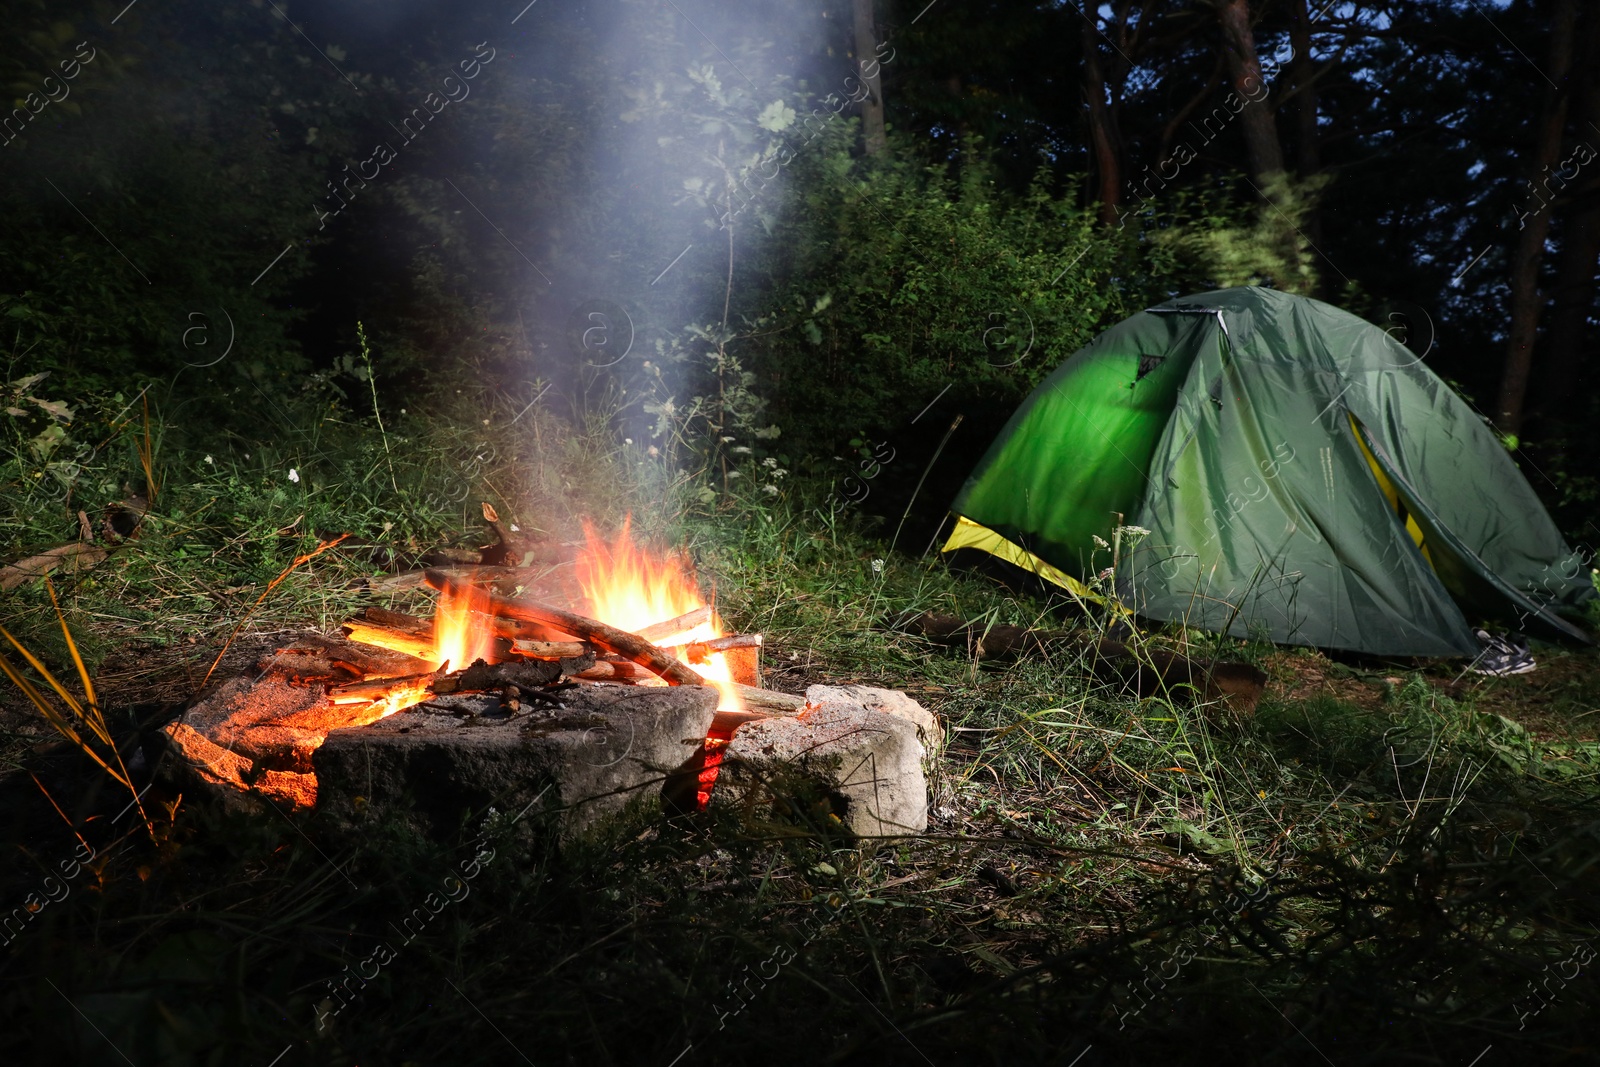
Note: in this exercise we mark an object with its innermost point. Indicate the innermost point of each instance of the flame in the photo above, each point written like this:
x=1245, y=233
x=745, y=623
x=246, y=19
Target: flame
x=462, y=631
x=630, y=589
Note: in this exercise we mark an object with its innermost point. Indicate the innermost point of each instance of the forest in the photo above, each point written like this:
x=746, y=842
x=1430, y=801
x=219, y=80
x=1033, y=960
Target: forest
x=336, y=318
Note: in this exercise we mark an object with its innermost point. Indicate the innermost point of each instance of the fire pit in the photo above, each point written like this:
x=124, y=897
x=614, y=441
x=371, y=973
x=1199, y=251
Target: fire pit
x=555, y=711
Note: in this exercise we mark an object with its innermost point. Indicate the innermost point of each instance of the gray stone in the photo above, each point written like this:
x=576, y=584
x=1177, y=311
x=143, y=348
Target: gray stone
x=890, y=702
x=867, y=764
x=608, y=748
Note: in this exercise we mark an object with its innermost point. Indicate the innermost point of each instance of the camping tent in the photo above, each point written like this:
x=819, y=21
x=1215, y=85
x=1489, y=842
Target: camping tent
x=1303, y=476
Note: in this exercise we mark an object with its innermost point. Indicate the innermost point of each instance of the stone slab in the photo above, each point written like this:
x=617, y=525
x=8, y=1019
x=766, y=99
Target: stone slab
x=604, y=749
x=869, y=763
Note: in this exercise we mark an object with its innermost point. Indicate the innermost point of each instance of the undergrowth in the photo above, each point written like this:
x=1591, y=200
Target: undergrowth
x=1374, y=872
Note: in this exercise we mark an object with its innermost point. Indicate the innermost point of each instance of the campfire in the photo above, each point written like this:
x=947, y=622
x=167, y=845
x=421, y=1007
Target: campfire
x=549, y=684
x=647, y=624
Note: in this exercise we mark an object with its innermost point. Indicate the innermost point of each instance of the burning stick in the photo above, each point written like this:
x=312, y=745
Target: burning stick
x=700, y=651
x=377, y=688
x=657, y=631
x=634, y=647
x=419, y=645
x=550, y=649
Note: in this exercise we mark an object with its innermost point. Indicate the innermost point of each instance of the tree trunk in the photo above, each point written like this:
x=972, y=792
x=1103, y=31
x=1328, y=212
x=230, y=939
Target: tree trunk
x=1244, y=71
x=1309, y=149
x=1305, y=92
x=1107, y=149
x=876, y=141
x=1526, y=301
x=1580, y=244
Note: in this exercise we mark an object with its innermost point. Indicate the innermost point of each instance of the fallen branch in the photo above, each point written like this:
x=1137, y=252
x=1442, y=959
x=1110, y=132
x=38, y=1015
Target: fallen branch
x=609, y=638
x=1148, y=670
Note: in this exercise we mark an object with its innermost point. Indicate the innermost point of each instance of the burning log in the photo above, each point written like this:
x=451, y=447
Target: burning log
x=700, y=651
x=635, y=648
x=415, y=637
x=656, y=631
x=418, y=645
x=613, y=671
x=772, y=703
x=371, y=689
x=550, y=649
x=399, y=620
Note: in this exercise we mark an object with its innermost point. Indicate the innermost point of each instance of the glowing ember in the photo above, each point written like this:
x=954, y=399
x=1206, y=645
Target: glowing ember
x=630, y=589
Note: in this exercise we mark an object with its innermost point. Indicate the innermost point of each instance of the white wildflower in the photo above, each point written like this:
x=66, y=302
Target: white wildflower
x=877, y=566
x=653, y=451
x=1101, y=541
x=294, y=475
x=211, y=461
x=740, y=450
x=770, y=490
x=769, y=462
x=627, y=440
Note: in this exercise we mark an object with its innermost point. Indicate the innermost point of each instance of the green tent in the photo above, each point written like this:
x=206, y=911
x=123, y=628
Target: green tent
x=1303, y=476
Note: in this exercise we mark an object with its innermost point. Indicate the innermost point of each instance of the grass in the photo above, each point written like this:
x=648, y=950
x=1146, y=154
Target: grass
x=1384, y=863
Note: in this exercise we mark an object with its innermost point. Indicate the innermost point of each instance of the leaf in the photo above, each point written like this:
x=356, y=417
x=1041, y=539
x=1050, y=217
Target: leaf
x=24, y=384
x=56, y=409
x=1197, y=837
x=47, y=441
x=776, y=116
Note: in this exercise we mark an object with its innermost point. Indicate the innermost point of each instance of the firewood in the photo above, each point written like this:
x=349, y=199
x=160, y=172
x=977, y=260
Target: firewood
x=700, y=651
x=525, y=675
x=766, y=700
x=398, y=620
x=550, y=649
x=606, y=637
x=374, y=688
x=609, y=671
x=673, y=627
x=373, y=661
x=418, y=645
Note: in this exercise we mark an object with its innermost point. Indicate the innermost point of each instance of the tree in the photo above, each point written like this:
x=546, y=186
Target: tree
x=1574, y=291
x=1103, y=133
x=1527, y=303
x=1244, y=71
x=874, y=137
